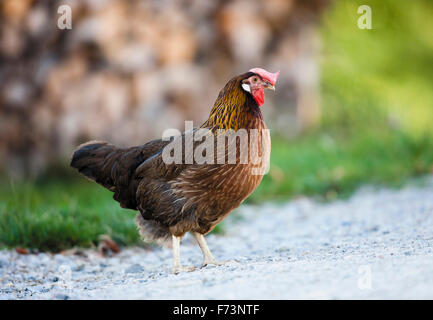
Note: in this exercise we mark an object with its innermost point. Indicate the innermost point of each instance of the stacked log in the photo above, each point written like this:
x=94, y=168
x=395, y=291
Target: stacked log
x=128, y=70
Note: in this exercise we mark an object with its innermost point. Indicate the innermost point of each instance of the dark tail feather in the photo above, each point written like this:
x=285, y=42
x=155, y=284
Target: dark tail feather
x=91, y=160
x=113, y=167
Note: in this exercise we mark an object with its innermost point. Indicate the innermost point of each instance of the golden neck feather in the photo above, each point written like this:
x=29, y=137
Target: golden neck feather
x=233, y=109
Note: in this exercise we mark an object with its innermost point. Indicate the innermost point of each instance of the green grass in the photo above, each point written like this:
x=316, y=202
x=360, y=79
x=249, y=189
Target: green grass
x=58, y=215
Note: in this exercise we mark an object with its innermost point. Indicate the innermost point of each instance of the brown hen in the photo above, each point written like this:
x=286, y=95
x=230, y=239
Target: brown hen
x=175, y=194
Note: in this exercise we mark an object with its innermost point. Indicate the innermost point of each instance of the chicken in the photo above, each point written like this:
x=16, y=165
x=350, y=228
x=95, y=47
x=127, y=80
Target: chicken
x=187, y=194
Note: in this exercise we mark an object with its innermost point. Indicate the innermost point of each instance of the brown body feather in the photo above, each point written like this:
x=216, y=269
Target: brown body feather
x=177, y=198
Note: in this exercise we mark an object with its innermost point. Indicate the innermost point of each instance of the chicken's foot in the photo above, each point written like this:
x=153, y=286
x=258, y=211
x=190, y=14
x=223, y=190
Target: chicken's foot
x=177, y=267
x=208, y=258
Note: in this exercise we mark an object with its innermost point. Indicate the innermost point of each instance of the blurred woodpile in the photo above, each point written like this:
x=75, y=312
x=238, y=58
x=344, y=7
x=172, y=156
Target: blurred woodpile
x=128, y=70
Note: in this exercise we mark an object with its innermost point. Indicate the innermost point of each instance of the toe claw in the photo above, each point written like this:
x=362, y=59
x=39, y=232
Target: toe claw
x=215, y=263
x=179, y=269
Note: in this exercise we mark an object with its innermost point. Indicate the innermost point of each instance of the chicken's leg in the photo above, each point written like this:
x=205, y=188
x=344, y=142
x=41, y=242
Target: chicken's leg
x=208, y=258
x=177, y=267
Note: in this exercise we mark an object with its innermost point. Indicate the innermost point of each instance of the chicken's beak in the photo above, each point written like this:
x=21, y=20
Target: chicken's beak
x=270, y=86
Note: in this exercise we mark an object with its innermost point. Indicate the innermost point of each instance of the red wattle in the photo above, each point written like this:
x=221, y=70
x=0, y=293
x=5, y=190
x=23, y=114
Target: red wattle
x=259, y=96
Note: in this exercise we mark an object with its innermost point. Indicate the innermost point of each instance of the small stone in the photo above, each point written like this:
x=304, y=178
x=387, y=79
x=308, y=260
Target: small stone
x=135, y=268
x=373, y=229
x=79, y=267
x=40, y=288
x=61, y=296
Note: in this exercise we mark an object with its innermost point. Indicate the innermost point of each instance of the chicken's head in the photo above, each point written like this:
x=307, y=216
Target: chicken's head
x=259, y=80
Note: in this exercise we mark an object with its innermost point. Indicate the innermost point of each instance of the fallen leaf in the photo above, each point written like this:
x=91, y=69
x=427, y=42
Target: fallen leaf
x=21, y=250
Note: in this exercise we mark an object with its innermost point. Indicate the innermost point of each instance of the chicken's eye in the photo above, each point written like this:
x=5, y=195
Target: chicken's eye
x=254, y=79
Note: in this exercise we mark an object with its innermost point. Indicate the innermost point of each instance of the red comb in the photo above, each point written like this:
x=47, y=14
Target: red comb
x=266, y=75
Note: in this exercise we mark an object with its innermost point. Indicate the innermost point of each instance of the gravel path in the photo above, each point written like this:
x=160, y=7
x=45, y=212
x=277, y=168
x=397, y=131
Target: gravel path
x=378, y=244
